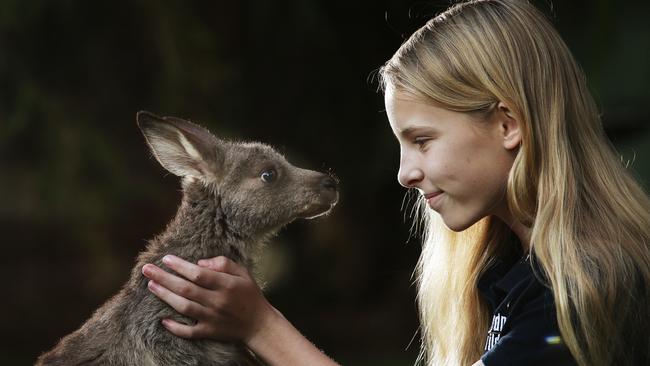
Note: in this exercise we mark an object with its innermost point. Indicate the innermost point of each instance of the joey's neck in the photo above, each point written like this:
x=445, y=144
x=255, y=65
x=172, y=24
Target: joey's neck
x=201, y=229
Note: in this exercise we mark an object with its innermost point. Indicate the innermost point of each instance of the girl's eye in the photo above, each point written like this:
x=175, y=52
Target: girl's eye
x=268, y=176
x=420, y=141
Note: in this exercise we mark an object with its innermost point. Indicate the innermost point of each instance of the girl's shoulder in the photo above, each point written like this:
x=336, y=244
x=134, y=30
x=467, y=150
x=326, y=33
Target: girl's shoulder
x=524, y=326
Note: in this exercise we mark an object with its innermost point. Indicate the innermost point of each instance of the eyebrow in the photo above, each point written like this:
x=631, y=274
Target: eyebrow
x=412, y=129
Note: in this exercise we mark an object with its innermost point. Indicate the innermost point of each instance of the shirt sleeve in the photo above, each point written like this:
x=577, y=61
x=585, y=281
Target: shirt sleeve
x=533, y=338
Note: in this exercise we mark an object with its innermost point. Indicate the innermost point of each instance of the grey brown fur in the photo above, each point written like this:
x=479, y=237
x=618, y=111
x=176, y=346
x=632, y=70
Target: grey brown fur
x=227, y=209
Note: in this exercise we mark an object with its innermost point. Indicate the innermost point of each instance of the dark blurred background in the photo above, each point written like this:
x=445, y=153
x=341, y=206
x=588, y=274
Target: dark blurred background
x=80, y=194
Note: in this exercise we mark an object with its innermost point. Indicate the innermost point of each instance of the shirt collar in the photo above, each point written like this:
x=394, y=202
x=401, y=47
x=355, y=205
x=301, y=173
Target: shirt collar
x=520, y=271
x=502, y=274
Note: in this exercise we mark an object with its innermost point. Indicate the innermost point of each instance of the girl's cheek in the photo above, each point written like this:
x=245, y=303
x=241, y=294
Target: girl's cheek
x=446, y=172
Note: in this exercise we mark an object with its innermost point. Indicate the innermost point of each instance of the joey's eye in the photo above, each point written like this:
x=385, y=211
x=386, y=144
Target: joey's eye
x=268, y=176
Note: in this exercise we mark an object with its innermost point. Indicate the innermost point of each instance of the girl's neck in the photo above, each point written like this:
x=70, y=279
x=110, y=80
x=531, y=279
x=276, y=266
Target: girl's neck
x=522, y=232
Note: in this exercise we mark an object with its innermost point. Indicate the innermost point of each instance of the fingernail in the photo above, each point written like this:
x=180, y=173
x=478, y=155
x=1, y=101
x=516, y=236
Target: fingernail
x=165, y=323
x=152, y=286
x=202, y=262
x=146, y=269
x=168, y=259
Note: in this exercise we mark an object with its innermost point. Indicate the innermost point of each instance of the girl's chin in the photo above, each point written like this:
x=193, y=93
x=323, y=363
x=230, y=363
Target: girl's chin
x=457, y=227
x=457, y=224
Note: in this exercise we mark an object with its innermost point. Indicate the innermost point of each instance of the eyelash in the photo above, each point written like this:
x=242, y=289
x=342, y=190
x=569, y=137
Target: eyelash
x=420, y=141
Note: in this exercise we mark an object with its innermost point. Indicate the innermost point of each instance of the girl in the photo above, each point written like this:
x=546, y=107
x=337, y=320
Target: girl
x=536, y=246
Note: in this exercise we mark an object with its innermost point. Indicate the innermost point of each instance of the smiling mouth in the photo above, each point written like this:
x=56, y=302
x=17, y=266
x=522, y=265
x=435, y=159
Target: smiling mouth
x=433, y=199
x=431, y=195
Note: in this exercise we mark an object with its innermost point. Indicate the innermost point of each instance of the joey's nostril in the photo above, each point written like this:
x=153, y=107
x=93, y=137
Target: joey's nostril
x=328, y=183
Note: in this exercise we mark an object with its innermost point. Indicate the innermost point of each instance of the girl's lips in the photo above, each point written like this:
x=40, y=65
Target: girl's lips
x=431, y=195
x=433, y=198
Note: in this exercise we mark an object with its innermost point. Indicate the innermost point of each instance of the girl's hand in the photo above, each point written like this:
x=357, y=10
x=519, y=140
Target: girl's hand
x=218, y=293
x=228, y=305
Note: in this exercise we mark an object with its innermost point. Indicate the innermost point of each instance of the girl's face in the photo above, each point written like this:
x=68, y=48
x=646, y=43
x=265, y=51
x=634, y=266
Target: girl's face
x=460, y=164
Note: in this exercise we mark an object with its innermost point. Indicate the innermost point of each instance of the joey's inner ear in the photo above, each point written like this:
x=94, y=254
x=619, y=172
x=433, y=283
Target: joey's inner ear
x=182, y=147
x=509, y=126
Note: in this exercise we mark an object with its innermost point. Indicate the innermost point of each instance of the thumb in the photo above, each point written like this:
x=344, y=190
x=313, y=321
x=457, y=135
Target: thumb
x=225, y=265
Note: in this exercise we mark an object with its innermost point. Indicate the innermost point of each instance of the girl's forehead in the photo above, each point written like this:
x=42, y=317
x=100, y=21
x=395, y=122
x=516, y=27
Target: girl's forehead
x=398, y=103
x=406, y=112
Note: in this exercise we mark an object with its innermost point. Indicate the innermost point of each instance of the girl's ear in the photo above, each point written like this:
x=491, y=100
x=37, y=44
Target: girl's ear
x=509, y=126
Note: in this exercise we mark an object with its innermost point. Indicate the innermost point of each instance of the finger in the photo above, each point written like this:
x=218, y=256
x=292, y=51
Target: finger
x=198, y=275
x=177, y=285
x=224, y=265
x=182, y=305
x=183, y=330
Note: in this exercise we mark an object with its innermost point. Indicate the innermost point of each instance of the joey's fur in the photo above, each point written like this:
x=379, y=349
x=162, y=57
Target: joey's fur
x=235, y=197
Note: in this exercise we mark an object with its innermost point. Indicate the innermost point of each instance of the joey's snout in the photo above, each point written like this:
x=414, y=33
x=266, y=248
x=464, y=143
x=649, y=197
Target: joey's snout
x=329, y=187
x=329, y=183
x=323, y=195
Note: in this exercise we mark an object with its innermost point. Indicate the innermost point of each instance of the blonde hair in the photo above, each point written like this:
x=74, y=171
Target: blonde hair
x=588, y=217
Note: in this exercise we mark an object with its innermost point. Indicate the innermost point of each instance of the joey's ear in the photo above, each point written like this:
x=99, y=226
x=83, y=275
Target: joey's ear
x=509, y=126
x=181, y=147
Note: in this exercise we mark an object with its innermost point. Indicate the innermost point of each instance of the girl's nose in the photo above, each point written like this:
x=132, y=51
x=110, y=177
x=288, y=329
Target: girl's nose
x=409, y=176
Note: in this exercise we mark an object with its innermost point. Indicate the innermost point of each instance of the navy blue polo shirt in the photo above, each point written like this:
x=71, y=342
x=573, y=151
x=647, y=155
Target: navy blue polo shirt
x=524, y=329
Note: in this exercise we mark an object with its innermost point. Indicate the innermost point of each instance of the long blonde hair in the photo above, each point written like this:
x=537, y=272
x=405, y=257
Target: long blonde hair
x=588, y=217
